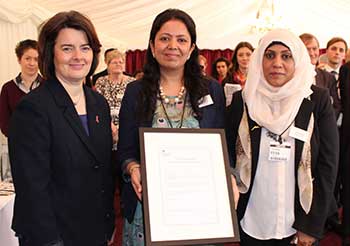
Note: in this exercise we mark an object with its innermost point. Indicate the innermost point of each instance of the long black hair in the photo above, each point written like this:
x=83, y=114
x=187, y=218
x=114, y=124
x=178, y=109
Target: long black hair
x=195, y=83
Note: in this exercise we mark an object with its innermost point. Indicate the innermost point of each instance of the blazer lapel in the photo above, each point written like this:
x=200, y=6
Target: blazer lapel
x=302, y=121
x=70, y=114
x=255, y=136
x=93, y=119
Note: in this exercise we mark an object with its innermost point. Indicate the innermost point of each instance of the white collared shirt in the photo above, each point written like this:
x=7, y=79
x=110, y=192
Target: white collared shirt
x=270, y=209
x=333, y=71
x=20, y=84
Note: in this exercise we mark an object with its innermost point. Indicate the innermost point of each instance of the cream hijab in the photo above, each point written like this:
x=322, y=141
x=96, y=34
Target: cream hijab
x=276, y=107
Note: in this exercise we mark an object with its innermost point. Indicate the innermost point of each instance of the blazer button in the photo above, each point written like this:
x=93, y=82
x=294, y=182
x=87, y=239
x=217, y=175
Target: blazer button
x=108, y=215
x=102, y=191
x=96, y=167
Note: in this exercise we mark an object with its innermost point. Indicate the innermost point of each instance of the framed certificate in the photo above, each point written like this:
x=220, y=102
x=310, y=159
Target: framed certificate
x=187, y=190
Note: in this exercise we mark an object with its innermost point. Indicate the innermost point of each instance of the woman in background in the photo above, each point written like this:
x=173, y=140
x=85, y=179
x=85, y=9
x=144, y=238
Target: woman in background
x=27, y=80
x=239, y=64
x=220, y=69
x=112, y=87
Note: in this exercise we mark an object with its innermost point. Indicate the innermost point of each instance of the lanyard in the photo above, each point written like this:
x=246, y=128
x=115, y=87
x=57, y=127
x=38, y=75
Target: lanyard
x=276, y=137
x=167, y=116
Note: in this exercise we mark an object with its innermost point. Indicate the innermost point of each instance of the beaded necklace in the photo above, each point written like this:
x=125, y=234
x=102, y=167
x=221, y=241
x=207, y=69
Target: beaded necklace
x=166, y=113
x=166, y=100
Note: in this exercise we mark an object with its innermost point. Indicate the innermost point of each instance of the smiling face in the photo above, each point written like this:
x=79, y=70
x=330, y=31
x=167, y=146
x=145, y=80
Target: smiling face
x=278, y=65
x=116, y=65
x=172, y=45
x=72, y=56
x=29, y=62
x=313, y=50
x=243, y=57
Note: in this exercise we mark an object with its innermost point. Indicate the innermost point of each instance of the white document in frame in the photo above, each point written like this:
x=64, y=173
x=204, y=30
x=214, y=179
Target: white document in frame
x=188, y=198
x=187, y=176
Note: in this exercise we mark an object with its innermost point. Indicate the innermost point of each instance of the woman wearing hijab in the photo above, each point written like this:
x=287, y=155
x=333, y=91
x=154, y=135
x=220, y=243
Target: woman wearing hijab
x=283, y=144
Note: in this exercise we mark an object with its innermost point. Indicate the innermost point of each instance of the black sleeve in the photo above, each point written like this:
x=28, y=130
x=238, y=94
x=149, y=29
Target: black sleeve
x=232, y=120
x=219, y=102
x=128, y=139
x=333, y=91
x=344, y=82
x=325, y=150
x=29, y=150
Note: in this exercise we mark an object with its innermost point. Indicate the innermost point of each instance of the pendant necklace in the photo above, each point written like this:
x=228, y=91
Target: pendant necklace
x=77, y=101
x=277, y=137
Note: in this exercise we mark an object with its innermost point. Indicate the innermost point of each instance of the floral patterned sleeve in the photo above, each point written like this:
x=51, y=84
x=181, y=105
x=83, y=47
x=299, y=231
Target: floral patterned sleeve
x=99, y=85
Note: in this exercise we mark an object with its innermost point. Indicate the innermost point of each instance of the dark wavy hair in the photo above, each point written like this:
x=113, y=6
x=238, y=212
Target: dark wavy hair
x=214, y=72
x=25, y=45
x=49, y=31
x=195, y=83
x=234, y=62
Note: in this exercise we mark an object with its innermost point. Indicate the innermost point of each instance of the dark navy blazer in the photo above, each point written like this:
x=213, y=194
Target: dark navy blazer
x=63, y=177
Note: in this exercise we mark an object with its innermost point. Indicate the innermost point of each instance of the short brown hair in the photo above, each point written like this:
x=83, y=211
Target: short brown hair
x=307, y=37
x=24, y=45
x=49, y=31
x=336, y=40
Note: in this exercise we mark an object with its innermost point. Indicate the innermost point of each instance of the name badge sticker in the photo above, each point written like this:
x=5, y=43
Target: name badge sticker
x=298, y=133
x=279, y=152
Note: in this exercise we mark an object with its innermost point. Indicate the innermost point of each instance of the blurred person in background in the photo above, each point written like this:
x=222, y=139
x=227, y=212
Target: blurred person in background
x=239, y=64
x=220, y=69
x=27, y=80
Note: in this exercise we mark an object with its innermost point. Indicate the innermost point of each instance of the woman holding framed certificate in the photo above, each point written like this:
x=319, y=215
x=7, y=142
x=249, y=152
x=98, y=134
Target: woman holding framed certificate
x=172, y=94
x=283, y=141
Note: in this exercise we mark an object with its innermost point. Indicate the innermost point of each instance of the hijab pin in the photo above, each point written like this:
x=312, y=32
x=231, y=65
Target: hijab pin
x=254, y=127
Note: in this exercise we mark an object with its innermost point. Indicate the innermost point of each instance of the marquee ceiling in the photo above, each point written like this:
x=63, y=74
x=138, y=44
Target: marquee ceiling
x=220, y=24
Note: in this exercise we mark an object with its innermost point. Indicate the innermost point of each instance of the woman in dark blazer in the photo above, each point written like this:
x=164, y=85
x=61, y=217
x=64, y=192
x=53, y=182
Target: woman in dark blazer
x=60, y=144
x=283, y=143
x=172, y=94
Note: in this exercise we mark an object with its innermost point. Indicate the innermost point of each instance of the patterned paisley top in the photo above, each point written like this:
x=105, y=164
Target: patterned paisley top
x=113, y=92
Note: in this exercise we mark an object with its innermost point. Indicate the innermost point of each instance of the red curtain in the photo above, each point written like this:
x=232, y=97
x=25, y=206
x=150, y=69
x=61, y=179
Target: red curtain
x=136, y=58
x=212, y=55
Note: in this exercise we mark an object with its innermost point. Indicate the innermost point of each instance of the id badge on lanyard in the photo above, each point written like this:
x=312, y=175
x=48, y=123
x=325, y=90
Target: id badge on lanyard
x=279, y=152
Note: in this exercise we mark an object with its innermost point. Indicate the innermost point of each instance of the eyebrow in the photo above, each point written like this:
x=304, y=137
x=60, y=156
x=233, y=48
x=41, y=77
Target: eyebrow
x=283, y=51
x=179, y=35
x=71, y=45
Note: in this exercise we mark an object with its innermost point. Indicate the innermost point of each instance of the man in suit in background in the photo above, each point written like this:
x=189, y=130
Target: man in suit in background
x=336, y=50
x=323, y=78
